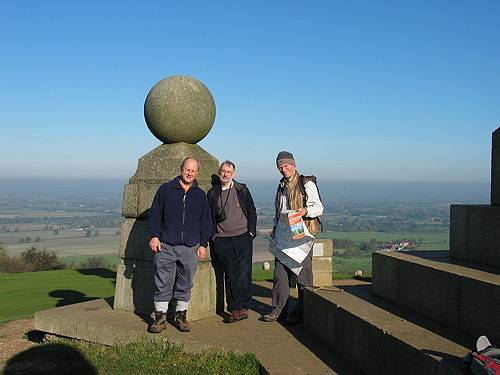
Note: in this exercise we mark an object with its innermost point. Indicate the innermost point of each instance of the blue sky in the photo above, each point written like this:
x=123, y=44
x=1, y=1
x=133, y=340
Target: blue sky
x=357, y=90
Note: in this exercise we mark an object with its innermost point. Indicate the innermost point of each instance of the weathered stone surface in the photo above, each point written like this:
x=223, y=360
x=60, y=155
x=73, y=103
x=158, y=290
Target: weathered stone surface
x=135, y=289
x=322, y=248
x=134, y=286
x=495, y=176
x=134, y=240
x=483, y=235
x=457, y=295
x=164, y=163
x=480, y=307
x=474, y=234
x=179, y=109
x=384, y=276
x=377, y=341
x=428, y=291
x=423, y=286
x=495, y=138
x=161, y=165
x=322, y=264
x=459, y=224
x=322, y=278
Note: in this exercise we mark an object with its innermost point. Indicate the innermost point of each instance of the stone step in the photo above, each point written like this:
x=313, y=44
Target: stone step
x=379, y=337
x=457, y=293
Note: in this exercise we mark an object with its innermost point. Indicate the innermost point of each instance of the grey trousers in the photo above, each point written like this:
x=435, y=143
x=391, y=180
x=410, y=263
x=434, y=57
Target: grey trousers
x=284, y=277
x=175, y=267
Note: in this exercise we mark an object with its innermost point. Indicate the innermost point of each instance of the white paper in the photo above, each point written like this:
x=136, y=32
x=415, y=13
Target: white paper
x=288, y=251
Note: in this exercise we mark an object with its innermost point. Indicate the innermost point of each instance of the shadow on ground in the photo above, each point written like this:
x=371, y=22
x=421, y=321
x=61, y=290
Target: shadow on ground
x=49, y=359
x=101, y=272
x=326, y=354
x=68, y=297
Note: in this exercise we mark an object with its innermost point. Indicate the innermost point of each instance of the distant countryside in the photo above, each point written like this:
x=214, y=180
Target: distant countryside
x=81, y=220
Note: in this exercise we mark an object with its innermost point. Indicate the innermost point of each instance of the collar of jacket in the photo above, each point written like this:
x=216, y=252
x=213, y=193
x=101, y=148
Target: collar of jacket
x=176, y=183
x=236, y=185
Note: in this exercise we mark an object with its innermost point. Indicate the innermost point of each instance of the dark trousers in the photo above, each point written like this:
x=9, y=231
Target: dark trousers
x=283, y=278
x=234, y=254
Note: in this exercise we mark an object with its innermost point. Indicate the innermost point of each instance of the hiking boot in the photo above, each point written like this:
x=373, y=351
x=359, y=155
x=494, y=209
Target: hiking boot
x=272, y=317
x=244, y=314
x=181, y=322
x=160, y=322
x=233, y=316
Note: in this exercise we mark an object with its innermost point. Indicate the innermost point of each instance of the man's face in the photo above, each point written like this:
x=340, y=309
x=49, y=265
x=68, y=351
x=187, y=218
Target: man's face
x=226, y=173
x=189, y=171
x=287, y=170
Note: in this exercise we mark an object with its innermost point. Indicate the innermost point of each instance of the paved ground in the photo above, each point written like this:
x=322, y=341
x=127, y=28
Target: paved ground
x=282, y=350
x=13, y=339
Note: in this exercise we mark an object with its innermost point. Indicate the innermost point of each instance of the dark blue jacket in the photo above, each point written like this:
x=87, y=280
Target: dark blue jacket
x=181, y=218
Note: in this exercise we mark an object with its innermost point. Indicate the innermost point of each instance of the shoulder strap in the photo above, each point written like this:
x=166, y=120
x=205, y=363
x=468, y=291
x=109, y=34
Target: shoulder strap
x=302, y=187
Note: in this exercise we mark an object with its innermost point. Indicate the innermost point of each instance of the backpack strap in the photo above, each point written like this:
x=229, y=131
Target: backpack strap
x=302, y=186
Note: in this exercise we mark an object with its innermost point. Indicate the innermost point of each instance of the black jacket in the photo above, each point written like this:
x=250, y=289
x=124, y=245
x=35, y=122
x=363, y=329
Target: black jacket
x=180, y=218
x=246, y=204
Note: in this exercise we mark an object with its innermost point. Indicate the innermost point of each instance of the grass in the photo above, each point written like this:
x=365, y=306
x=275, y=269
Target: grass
x=258, y=274
x=25, y=293
x=147, y=357
x=344, y=268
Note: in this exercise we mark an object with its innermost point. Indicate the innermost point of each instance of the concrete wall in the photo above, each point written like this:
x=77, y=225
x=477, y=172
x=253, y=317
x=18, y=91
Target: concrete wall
x=475, y=234
x=460, y=297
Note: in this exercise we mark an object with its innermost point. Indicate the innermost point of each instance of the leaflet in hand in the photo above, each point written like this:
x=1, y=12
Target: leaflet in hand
x=296, y=224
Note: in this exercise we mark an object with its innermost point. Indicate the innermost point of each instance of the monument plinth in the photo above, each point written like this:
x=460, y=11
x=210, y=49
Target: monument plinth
x=179, y=111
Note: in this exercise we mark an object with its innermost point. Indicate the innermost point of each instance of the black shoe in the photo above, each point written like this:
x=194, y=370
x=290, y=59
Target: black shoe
x=181, y=321
x=160, y=322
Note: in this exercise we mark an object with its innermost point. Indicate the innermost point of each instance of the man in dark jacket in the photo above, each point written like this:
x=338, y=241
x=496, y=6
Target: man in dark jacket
x=181, y=227
x=234, y=218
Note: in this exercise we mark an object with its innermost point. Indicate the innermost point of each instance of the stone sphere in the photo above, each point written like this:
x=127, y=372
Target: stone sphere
x=179, y=109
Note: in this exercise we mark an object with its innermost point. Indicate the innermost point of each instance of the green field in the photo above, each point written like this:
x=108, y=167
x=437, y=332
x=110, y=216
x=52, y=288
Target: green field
x=432, y=241
x=345, y=267
x=66, y=243
x=25, y=293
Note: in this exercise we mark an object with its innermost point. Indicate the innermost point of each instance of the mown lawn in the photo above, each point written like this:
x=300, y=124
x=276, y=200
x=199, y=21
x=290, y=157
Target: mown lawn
x=22, y=294
x=147, y=357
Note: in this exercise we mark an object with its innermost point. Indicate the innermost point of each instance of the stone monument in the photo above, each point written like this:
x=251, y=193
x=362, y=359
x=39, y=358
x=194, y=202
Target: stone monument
x=179, y=111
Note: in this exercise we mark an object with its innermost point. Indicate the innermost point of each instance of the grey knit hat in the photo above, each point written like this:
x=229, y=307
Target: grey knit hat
x=284, y=157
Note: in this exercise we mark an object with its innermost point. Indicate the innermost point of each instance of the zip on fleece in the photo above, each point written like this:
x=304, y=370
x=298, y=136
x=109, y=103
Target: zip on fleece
x=183, y=214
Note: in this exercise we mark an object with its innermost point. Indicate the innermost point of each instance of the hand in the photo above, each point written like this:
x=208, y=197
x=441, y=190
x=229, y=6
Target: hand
x=302, y=211
x=201, y=253
x=154, y=244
